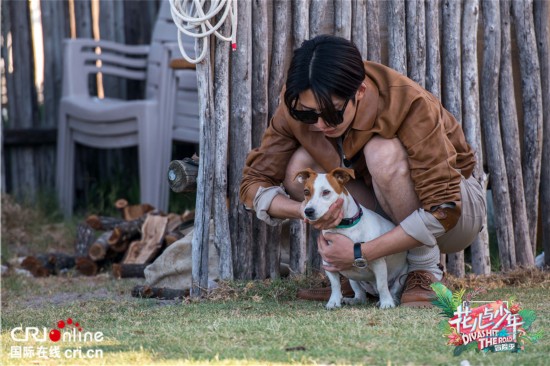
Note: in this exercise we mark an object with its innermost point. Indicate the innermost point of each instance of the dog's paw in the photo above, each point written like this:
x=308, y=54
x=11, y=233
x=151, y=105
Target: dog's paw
x=354, y=300
x=333, y=304
x=386, y=304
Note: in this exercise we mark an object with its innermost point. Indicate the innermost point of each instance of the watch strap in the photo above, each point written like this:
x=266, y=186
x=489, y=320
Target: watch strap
x=357, y=251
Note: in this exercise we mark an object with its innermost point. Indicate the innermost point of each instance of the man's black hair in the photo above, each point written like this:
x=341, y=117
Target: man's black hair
x=328, y=65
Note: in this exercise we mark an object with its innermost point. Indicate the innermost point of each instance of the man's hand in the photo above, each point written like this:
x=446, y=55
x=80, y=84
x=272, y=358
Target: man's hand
x=338, y=253
x=331, y=218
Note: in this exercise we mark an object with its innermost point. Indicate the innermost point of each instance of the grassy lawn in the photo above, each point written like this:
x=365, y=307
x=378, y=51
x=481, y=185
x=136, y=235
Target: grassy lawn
x=253, y=323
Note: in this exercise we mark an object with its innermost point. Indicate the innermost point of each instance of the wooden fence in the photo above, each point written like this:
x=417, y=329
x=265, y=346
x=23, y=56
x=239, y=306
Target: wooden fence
x=486, y=60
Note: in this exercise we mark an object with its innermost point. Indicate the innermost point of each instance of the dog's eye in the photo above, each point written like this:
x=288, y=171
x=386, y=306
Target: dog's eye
x=326, y=192
x=306, y=192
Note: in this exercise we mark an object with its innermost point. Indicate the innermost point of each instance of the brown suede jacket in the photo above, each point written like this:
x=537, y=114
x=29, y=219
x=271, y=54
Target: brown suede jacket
x=393, y=106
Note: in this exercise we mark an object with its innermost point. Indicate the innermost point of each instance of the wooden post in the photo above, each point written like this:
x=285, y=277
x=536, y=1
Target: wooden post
x=397, y=44
x=510, y=142
x=221, y=120
x=240, y=220
x=452, y=98
x=205, y=178
x=416, y=41
x=83, y=17
x=373, y=31
x=433, y=58
x=532, y=109
x=260, y=107
x=300, y=22
x=480, y=257
x=491, y=128
x=359, y=26
x=542, y=30
x=324, y=19
x=342, y=18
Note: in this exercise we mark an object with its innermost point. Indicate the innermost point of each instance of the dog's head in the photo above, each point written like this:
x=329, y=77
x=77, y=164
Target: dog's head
x=322, y=190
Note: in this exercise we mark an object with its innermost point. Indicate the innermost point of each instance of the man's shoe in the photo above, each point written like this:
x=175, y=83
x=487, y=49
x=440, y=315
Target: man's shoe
x=323, y=293
x=417, y=292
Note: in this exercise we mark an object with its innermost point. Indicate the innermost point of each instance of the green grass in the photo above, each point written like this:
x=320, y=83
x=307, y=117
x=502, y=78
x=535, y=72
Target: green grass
x=254, y=323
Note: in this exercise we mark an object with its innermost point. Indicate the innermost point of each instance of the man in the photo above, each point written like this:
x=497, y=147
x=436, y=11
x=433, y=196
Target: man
x=410, y=157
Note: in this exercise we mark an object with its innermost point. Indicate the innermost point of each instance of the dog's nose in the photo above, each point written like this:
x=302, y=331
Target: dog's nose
x=310, y=211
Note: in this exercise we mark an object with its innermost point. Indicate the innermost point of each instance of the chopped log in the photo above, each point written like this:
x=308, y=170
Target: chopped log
x=132, y=212
x=182, y=64
x=38, y=266
x=104, y=223
x=124, y=233
x=162, y=293
x=121, y=270
x=174, y=222
x=86, y=266
x=144, y=251
x=188, y=216
x=84, y=238
x=172, y=236
x=182, y=175
x=98, y=250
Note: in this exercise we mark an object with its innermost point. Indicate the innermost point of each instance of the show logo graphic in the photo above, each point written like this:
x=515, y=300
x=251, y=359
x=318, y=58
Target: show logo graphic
x=491, y=326
x=68, y=332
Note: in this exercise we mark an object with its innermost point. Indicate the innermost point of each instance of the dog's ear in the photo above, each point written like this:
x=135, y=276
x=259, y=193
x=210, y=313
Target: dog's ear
x=343, y=175
x=304, y=175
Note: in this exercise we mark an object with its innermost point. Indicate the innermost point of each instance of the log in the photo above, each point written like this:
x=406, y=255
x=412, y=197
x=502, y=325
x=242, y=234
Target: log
x=452, y=97
x=98, y=250
x=86, y=266
x=490, y=127
x=47, y=264
x=511, y=144
x=373, y=31
x=182, y=175
x=146, y=249
x=433, y=59
x=480, y=257
x=221, y=120
x=542, y=30
x=174, y=222
x=342, y=18
x=240, y=112
x=532, y=110
x=298, y=246
x=182, y=64
x=172, y=236
x=132, y=212
x=416, y=41
x=322, y=22
x=359, y=26
x=300, y=22
x=84, y=239
x=103, y=223
x=161, y=293
x=124, y=233
x=397, y=44
x=122, y=270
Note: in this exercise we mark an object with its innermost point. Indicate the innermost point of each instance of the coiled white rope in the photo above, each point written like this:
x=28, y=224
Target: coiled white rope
x=191, y=19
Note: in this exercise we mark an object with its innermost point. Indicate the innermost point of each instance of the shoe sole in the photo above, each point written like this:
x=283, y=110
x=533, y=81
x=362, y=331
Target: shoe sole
x=418, y=305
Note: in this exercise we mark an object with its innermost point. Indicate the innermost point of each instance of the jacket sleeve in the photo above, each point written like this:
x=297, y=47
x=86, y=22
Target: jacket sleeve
x=432, y=158
x=266, y=165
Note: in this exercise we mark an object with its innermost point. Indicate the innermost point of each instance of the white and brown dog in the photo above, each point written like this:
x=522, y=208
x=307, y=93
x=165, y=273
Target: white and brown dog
x=360, y=225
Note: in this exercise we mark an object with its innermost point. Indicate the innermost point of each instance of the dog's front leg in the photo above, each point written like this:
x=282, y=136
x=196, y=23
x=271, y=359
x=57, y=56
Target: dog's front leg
x=380, y=270
x=360, y=295
x=335, y=300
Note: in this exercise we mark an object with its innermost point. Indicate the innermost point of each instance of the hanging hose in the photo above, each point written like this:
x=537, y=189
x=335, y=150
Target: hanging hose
x=191, y=19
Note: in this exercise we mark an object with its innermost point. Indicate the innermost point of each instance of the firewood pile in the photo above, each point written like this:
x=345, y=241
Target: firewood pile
x=126, y=244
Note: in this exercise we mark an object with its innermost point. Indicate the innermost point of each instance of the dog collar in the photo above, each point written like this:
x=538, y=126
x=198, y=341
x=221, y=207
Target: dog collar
x=352, y=221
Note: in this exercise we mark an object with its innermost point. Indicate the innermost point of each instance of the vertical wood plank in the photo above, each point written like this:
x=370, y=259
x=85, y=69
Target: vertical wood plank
x=221, y=119
x=510, y=142
x=373, y=31
x=532, y=109
x=322, y=19
x=359, y=27
x=240, y=220
x=342, y=18
x=491, y=128
x=83, y=17
x=433, y=57
x=416, y=41
x=542, y=31
x=480, y=257
x=397, y=43
x=300, y=22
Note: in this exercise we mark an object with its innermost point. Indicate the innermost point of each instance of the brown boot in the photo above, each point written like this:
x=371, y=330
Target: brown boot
x=417, y=292
x=323, y=293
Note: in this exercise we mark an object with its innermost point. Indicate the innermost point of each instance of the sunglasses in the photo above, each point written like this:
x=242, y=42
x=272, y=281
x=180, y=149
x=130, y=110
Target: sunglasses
x=311, y=117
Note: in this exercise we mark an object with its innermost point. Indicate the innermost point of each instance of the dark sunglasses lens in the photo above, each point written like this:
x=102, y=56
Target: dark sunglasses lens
x=309, y=117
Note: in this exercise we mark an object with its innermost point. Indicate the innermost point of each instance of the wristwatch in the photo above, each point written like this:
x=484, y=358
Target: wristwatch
x=359, y=262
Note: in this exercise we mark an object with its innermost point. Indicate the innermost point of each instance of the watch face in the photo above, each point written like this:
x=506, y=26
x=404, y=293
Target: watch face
x=360, y=263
